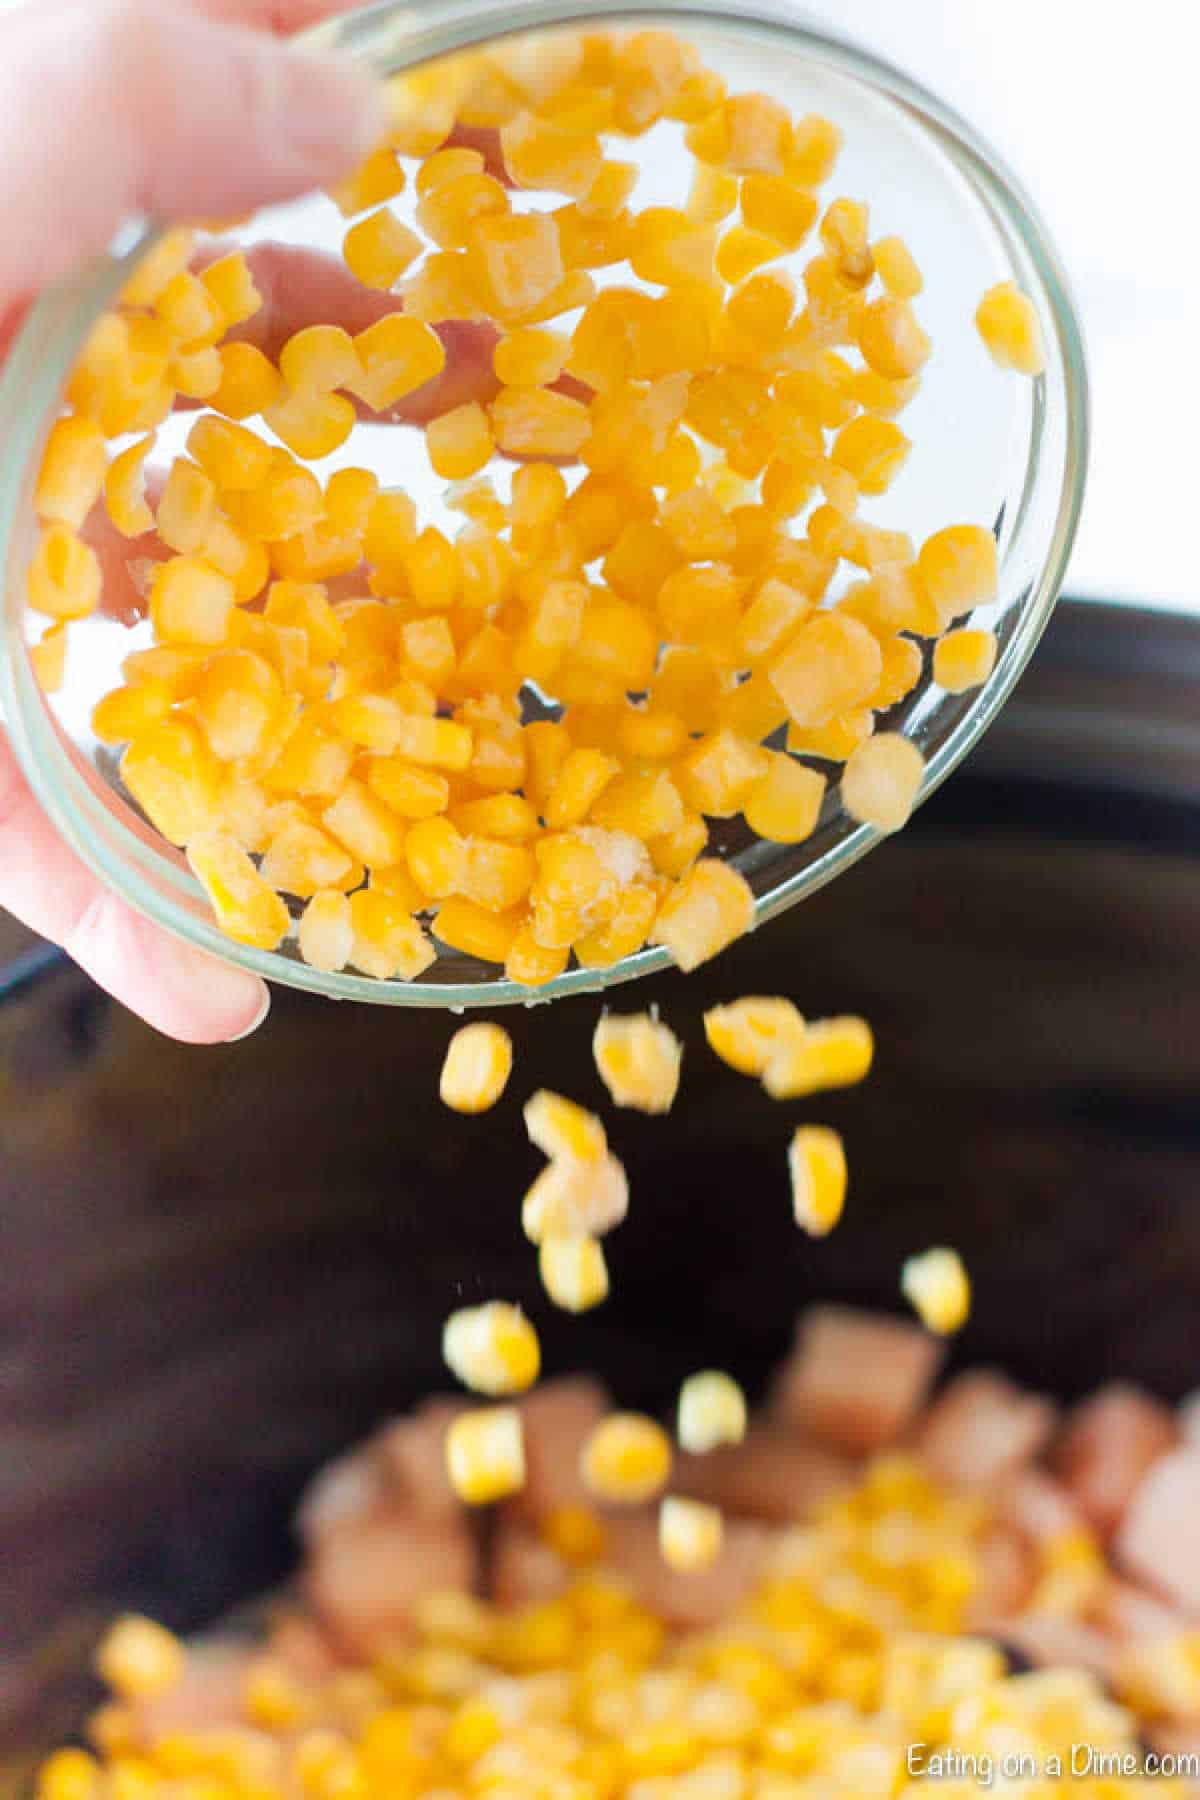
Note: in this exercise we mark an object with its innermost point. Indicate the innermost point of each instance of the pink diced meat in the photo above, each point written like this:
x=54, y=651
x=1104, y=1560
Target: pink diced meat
x=1133, y=1615
x=1037, y=1505
x=1051, y=1641
x=1006, y=1570
x=557, y=1420
x=362, y=1582
x=207, y=1696
x=770, y=1475
x=982, y=1427
x=1158, y=1540
x=698, y=1597
x=855, y=1380
x=411, y=1454
x=1107, y=1444
x=523, y=1570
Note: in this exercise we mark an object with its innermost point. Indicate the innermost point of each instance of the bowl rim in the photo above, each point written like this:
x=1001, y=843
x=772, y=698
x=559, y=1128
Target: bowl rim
x=393, y=36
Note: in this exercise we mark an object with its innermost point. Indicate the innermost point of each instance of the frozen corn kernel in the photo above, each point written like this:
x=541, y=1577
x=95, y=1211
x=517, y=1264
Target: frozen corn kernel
x=188, y=310
x=301, y=859
x=460, y=442
x=785, y=806
x=379, y=248
x=539, y=422
x=326, y=932
x=485, y=1455
x=711, y=907
x=48, y=658
x=475, y=931
x=637, y=1058
x=712, y=1411
x=139, y=1659
x=964, y=659
x=368, y=828
x=748, y=1033
x=173, y=776
x=125, y=490
x=378, y=178
x=882, y=780
x=161, y=263
x=397, y=354
x=311, y=421
x=533, y=357
x=957, y=569
x=891, y=340
x=186, y=509
x=477, y=1067
x=493, y=1349
x=250, y=382
x=448, y=165
x=897, y=268
x=574, y=1272
x=231, y=286
x=626, y=1459
x=248, y=911
x=319, y=358
x=828, y=1053
x=817, y=1164
x=832, y=664
x=64, y=579
x=388, y=941
x=938, y=1288
x=1008, y=324
x=774, y=207
x=72, y=471
x=873, y=450
x=690, y=1534
x=128, y=711
x=572, y=1199
x=742, y=250
x=560, y=1128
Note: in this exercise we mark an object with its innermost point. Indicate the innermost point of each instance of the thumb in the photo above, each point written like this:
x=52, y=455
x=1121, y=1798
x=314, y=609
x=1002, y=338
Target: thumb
x=142, y=106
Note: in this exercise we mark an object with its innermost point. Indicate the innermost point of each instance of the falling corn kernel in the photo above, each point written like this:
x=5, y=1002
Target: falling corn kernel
x=939, y=1289
x=139, y=1659
x=493, y=1349
x=477, y=1067
x=574, y=1272
x=485, y=1455
x=882, y=780
x=964, y=659
x=326, y=932
x=827, y=1053
x=626, y=1459
x=572, y=1199
x=817, y=1162
x=562, y=1129
x=74, y=464
x=379, y=248
x=690, y=1533
x=638, y=1061
x=748, y=1033
x=712, y=1411
x=460, y=442
x=1008, y=324
x=711, y=906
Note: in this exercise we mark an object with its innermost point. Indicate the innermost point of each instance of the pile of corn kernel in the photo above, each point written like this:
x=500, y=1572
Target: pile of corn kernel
x=512, y=740
x=889, y=1547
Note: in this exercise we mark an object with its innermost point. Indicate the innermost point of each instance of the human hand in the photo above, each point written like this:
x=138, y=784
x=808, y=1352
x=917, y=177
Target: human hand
x=176, y=110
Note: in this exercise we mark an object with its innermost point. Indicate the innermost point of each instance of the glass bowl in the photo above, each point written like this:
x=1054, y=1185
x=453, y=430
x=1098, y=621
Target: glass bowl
x=989, y=447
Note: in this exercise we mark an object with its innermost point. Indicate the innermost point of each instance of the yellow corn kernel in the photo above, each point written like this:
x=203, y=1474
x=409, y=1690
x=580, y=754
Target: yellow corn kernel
x=190, y=603
x=626, y=1459
x=562, y=1129
x=398, y=885
x=450, y=213
x=250, y=382
x=712, y=1411
x=70, y=1775
x=520, y=261
x=697, y=525
x=844, y=235
x=188, y=310
x=876, y=394
x=903, y=665
x=460, y=442
x=432, y=569
x=720, y=772
x=573, y=1199
x=173, y=776
x=378, y=178
x=699, y=606
x=897, y=268
x=485, y=1455
x=326, y=931
x=817, y=1163
x=812, y=151
x=161, y=263
x=317, y=359
x=398, y=354
x=539, y=422
x=762, y=307
x=493, y=1349
x=690, y=1534
x=186, y=509
x=531, y=357
x=964, y=659
x=411, y=792
x=831, y=665
x=388, y=941
x=379, y=248
x=697, y=97
x=747, y=1034
x=64, y=579
x=231, y=286
x=938, y=1288
x=447, y=165
x=436, y=857
x=612, y=187
x=785, y=806
x=507, y=817
x=581, y=779
x=741, y=251
x=637, y=1058
x=1008, y=324
x=829, y=1053
x=368, y=829
x=48, y=658
x=892, y=342
x=476, y=932
x=531, y=964
x=139, y=1659
x=574, y=1272
x=711, y=907
x=882, y=780
x=311, y=421
x=774, y=207
x=234, y=459
x=247, y=909
x=496, y=875
x=873, y=450
x=127, y=712
x=72, y=471
x=476, y=1069
x=473, y=1729
x=538, y=154
x=124, y=490
x=957, y=569
x=301, y=859
x=437, y=743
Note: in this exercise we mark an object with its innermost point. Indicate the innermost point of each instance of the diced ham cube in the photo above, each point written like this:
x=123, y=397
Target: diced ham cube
x=411, y=1454
x=855, y=1379
x=1158, y=1540
x=1050, y=1641
x=207, y=1695
x=362, y=1582
x=1107, y=1444
x=301, y=1647
x=523, y=1570
x=343, y=1492
x=1037, y=1505
x=770, y=1475
x=1006, y=1569
x=696, y=1597
x=557, y=1419
x=982, y=1427
x=1132, y=1615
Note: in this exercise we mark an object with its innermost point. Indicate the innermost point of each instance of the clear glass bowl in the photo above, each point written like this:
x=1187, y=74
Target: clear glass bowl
x=988, y=447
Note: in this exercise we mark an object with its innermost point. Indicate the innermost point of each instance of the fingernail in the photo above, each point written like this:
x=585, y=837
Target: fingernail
x=258, y=1018
x=332, y=112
